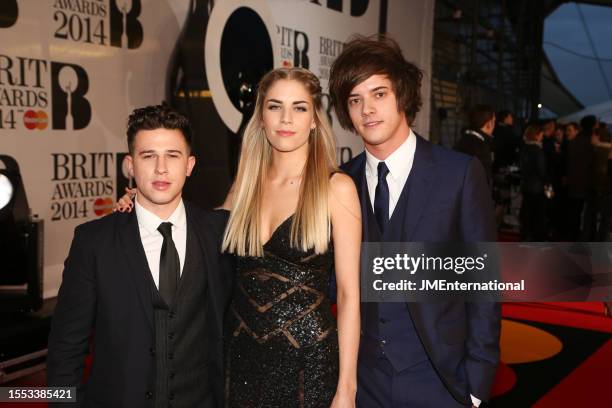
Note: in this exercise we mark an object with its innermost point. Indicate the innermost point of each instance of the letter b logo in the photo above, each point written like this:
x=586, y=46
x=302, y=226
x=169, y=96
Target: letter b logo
x=125, y=28
x=8, y=13
x=69, y=85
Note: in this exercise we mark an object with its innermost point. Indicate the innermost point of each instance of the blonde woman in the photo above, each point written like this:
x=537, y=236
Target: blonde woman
x=293, y=218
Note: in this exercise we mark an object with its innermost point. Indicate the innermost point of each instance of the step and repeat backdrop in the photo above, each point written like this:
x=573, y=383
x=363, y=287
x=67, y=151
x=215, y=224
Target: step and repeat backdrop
x=72, y=70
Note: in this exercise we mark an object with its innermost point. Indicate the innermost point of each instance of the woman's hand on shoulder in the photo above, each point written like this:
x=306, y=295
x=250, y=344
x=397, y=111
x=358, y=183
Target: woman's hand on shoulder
x=126, y=202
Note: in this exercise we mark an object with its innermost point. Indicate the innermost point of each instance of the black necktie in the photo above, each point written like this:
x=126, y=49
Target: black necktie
x=381, y=198
x=169, y=264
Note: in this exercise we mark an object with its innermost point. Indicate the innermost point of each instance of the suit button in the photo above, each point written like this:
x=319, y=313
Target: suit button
x=171, y=376
x=171, y=396
x=171, y=315
x=171, y=336
x=170, y=356
x=149, y=395
x=383, y=321
x=383, y=343
x=152, y=351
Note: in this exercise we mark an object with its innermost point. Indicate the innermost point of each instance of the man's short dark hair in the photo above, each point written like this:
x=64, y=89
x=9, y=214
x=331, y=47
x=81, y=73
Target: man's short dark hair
x=479, y=115
x=587, y=124
x=363, y=57
x=157, y=117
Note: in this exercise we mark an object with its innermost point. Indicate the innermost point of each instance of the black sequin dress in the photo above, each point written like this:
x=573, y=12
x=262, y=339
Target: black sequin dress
x=281, y=338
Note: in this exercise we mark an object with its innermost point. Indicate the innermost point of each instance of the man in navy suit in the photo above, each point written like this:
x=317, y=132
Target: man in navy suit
x=440, y=354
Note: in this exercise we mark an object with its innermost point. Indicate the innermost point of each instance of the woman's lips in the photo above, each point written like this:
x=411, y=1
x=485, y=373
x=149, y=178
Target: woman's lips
x=285, y=133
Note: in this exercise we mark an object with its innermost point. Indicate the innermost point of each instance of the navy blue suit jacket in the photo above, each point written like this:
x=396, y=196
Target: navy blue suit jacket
x=448, y=200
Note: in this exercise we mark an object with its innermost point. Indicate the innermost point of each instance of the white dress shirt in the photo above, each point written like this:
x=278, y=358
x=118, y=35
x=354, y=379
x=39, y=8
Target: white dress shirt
x=152, y=239
x=399, y=164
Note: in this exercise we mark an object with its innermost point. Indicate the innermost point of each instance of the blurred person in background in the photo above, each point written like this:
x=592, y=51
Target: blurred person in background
x=476, y=139
x=590, y=137
x=578, y=154
x=535, y=178
x=596, y=211
x=506, y=143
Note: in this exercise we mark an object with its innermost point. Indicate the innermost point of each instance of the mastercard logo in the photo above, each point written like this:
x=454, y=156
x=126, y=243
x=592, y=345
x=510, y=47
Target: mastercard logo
x=103, y=206
x=35, y=120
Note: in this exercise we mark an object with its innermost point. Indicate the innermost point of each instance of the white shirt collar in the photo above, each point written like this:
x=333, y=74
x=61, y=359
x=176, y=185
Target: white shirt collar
x=399, y=162
x=150, y=222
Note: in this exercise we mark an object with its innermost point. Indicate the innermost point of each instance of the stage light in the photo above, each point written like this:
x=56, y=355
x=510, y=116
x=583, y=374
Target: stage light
x=6, y=191
x=21, y=248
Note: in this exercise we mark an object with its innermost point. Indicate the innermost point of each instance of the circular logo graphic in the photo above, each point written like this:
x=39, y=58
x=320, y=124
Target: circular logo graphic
x=35, y=120
x=225, y=19
x=103, y=206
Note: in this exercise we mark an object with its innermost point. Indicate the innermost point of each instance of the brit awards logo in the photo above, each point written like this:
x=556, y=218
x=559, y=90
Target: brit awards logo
x=294, y=48
x=30, y=87
x=115, y=23
x=9, y=12
x=83, y=185
x=125, y=28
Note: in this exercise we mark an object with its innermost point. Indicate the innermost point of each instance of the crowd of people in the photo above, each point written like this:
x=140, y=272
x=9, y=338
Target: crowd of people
x=564, y=171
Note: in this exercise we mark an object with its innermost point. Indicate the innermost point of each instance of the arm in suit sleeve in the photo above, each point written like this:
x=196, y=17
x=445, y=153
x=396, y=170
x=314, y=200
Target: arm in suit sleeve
x=73, y=318
x=483, y=319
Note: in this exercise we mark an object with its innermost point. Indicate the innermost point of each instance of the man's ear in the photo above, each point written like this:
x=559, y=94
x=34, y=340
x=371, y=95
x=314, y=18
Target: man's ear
x=129, y=162
x=191, y=161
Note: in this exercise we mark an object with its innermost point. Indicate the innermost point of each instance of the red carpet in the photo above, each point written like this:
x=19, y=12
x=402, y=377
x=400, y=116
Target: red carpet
x=588, y=316
x=587, y=385
x=575, y=374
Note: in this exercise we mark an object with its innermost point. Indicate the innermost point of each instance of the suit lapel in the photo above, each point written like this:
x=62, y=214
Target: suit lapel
x=131, y=245
x=419, y=188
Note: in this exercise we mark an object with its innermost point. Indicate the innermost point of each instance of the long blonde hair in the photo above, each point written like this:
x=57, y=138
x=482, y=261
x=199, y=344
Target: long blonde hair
x=310, y=227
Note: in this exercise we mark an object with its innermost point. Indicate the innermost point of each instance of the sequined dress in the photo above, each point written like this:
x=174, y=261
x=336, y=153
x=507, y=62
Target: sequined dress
x=281, y=338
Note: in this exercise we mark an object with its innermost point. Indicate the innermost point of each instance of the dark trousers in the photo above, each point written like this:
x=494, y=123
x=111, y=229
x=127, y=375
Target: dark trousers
x=596, y=214
x=380, y=386
x=534, y=217
x=574, y=218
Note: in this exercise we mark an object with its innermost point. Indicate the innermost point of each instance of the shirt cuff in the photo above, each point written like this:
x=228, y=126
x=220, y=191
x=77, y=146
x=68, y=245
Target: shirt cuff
x=475, y=401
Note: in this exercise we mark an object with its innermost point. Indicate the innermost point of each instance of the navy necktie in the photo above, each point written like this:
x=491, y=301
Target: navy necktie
x=381, y=197
x=169, y=264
